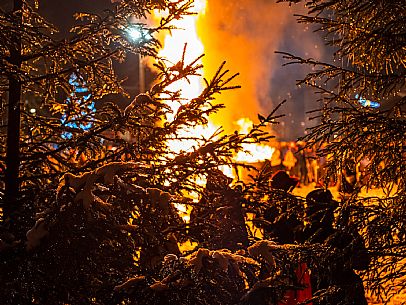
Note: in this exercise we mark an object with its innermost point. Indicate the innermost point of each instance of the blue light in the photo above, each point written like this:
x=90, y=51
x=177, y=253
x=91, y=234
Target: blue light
x=367, y=103
x=77, y=96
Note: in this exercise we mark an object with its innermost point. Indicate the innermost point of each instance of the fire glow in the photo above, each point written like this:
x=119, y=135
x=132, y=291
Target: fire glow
x=186, y=33
x=253, y=152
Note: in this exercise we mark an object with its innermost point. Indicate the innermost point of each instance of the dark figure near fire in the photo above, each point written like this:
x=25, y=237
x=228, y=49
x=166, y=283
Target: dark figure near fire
x=281, y=214
x=281, y=222
x=347, y=253
x=286, y=220
x=217, y=220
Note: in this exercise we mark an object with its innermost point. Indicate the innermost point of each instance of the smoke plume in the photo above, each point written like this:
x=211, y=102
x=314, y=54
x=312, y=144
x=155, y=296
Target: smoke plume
x=246, y=34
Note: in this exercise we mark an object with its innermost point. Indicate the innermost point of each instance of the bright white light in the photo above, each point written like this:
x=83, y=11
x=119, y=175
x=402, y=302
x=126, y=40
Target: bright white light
x=33, y=110
x=134, y=33
x=137, y=33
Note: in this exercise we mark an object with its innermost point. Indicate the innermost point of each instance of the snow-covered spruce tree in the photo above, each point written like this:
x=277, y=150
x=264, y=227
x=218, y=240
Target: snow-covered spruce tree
x=260, y=275
x=37, y=64
x=363, y=120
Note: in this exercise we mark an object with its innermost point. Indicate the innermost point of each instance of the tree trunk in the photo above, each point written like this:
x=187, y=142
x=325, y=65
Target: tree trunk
x=13, y=122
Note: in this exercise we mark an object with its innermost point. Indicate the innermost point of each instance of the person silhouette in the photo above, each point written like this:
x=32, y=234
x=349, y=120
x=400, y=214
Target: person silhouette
x=347, y=252
x=217, y=221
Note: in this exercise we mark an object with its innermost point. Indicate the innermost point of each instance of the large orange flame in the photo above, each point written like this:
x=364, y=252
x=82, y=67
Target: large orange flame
x=172, y=50
x=186, y=33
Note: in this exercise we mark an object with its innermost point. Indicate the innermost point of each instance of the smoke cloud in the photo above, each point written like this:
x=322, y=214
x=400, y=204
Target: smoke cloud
x=246, y=34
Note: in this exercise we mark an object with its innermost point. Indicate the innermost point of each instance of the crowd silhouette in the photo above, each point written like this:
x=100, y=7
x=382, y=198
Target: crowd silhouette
x=217, y=222
x=286, y=221
x=301, y=161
